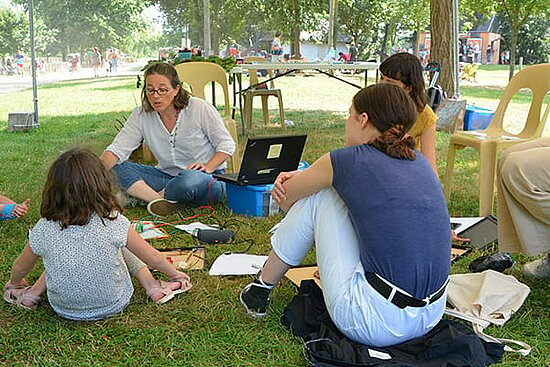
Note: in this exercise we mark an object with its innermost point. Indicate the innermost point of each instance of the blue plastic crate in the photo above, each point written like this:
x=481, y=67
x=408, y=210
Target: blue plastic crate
x=477, y=118
x=254, y=200
x=251, y=200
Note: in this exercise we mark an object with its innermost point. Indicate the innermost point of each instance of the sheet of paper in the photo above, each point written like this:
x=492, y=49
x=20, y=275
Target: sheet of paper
x=237, y=264
x=464, y=222
x=148, y=231
x=193, y=227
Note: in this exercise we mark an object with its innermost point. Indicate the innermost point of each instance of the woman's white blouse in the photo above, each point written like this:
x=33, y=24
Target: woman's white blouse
x=199, y=133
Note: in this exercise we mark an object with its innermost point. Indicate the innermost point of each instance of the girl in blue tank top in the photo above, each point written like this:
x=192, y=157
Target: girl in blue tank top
x=376, y=213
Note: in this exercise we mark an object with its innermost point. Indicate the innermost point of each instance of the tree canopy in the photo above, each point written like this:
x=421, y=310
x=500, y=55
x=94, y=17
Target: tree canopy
x=378, y=27
x=13, y=31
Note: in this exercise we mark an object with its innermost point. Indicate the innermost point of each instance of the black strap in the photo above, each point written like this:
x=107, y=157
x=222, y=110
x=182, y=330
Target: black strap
x=400, y=299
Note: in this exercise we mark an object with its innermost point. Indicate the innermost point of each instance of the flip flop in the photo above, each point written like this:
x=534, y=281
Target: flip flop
x=7, y=212
x=185, y=285
x=161, y=289
x=19, y=295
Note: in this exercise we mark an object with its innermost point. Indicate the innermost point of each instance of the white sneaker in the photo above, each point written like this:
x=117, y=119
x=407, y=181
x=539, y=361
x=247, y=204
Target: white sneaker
x=538, y=269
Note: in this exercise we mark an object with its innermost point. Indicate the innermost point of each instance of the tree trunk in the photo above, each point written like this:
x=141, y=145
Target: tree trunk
x=198, y=27
x=333, y=6
x=216, y=32
x=417, y=39
x=443, y=48
x=384, y=44
x=513, y=48
x=295, y=44
x=207, y=34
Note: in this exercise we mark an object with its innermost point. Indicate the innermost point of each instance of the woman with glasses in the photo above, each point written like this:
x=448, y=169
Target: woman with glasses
x=188, y=138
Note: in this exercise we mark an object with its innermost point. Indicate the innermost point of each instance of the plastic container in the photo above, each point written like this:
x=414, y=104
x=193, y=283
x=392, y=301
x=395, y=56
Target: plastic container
x=254, y=200
x=184, y=55
x=251, y=200
x=477, y=118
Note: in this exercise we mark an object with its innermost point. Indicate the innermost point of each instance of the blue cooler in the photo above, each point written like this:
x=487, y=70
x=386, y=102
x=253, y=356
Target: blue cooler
x=251, y=200
x=254, y=200
x=477, y=118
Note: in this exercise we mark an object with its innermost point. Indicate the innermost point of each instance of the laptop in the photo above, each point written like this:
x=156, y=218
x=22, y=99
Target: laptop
x=264, y=158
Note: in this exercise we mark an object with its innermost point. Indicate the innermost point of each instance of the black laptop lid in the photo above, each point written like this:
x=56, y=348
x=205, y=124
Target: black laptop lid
x=264, y=158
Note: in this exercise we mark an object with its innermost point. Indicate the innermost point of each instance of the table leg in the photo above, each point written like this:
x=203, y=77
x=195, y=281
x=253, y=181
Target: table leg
x=243, y=125
x=234, y=96
x=213, y=94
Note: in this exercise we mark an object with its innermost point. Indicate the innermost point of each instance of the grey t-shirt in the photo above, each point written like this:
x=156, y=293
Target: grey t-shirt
x=86, y=276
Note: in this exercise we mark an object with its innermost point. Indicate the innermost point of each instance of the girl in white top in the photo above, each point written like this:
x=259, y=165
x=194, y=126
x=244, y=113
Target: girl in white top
x=187, y=137
x=88, y=248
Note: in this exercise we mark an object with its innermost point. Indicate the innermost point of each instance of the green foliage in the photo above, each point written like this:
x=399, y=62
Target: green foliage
x=533, y=39
x=81, y=25
x=185, y=18
x=356, y=18
x=14, y=31
x=226, y=63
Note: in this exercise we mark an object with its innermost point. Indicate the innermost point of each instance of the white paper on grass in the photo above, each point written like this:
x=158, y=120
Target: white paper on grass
x=193, y=227
x=149, y=231
x=465, y=222
x=237, y=264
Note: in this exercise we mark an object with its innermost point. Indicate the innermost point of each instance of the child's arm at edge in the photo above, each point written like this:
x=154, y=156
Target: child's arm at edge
x=23, y=266
x=152, y=257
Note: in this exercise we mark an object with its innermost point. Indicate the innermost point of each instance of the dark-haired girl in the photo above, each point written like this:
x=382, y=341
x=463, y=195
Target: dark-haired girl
x=187, y=137
x=89, y=249
x=405, y=70
x=377, y=216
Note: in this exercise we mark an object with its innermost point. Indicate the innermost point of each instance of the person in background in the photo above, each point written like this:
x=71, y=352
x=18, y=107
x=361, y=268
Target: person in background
x=114, y=60
x=344, y=57
x=367, y=207
x=19, y=62
x=405, y=70
x=353, y=53
x=523, y=200
x=276, y=47
x=96, y=61
x=89, y=249
x=186, y=135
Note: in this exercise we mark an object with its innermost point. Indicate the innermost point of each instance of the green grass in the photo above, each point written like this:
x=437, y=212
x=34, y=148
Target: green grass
x=207, y=326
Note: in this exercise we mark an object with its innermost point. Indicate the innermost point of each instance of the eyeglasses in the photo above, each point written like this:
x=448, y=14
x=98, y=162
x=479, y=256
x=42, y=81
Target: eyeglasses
x=160, y=91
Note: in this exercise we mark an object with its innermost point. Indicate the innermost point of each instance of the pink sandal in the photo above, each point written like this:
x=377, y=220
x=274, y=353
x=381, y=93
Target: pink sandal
x=21, y=297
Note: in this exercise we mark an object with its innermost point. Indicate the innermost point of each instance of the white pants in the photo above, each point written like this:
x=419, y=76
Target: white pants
x=357, y=309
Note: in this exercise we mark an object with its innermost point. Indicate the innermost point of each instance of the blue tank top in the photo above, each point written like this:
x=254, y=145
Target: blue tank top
x=399, y=214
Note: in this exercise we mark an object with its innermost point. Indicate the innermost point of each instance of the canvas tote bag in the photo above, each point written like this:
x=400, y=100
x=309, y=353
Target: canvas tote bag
x=487, y=298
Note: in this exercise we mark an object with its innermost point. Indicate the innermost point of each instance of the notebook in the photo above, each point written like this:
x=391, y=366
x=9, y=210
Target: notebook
x=264, y=158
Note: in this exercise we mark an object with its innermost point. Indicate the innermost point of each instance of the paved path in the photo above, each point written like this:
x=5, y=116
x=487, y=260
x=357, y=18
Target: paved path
x=15, y=83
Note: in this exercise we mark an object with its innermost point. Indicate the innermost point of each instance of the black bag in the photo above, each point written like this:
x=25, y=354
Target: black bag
x=436, y=95
x=449, y=344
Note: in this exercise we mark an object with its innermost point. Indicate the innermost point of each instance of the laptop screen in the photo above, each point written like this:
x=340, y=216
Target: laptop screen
x=264, y=158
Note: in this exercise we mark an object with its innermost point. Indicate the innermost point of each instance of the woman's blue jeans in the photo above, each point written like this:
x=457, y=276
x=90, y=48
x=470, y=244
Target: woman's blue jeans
x=188, y=185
